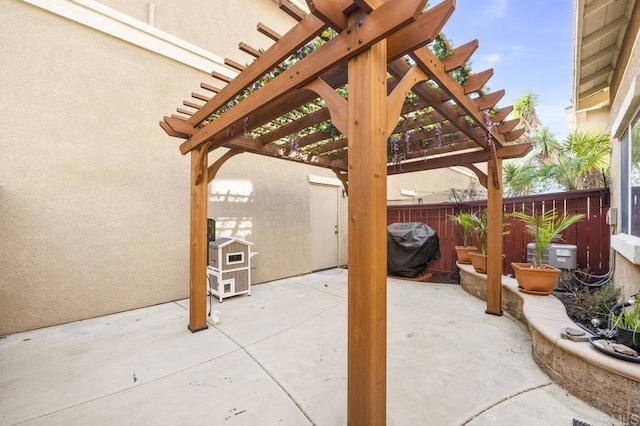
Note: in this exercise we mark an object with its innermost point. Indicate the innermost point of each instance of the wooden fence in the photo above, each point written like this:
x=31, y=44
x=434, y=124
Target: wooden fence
x=590, y=235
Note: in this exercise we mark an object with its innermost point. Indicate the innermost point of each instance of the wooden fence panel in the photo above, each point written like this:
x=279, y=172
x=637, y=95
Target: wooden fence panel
x=590, y=235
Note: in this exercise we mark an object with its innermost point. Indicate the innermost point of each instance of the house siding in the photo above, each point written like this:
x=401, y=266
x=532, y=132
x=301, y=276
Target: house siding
x=627, y=274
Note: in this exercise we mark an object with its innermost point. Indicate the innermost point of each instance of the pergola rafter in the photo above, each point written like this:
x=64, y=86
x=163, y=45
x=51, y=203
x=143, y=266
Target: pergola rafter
x=355, y=88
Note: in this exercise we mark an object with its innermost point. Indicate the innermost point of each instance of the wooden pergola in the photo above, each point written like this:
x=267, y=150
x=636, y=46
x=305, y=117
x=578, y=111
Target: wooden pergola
x=353, y=87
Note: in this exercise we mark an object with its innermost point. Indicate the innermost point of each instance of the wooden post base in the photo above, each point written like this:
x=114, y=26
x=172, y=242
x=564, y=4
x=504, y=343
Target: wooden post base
x=195, y=330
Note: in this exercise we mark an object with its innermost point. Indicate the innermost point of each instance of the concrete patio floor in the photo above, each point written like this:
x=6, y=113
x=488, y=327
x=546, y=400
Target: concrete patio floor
x=278, y=357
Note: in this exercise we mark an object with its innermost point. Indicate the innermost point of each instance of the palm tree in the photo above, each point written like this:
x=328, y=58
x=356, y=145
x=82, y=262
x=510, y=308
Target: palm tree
x=592, y=153
x=581, y=163
x=545, y=146
x=525, y=110
x=519, y=178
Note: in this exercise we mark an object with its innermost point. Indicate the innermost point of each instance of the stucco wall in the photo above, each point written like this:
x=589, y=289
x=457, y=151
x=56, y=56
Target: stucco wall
x=94, y=196
x=268, y=202
x=595, y=120
x=626, y=276
x=217, y=26
x=623, y=110
x=430, y=185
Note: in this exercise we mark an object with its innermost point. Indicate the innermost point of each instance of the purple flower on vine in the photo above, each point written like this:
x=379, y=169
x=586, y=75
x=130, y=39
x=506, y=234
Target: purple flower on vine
x=439, y=134
x=394, y=151
x=488, y=123
x=487, y=119
x=245, y=125
x=256, y=86
x=293, y=144
x=300, y=54
x=394, y=146
x=407, y=140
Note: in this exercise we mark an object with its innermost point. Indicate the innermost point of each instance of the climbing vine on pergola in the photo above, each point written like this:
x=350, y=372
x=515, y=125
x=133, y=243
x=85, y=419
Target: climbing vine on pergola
x=354, y=87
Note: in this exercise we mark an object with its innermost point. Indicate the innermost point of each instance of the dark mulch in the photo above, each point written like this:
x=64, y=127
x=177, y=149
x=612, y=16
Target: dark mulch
x=444, y=277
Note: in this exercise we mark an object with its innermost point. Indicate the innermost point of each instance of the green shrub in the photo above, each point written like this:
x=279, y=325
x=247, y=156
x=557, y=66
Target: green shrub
x=583, y=305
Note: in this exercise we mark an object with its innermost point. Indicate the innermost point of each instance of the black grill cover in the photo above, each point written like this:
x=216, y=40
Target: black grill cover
x=410, y=246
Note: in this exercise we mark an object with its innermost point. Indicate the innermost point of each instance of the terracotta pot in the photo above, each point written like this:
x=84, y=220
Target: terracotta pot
x=463, y=253
x=539, y=281
x=479, y=262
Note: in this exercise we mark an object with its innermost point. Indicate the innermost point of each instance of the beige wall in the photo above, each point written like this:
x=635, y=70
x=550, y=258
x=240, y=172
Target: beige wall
x=626, y=276
x=268, y=202
x=430, y=185
x=595, y=120
x=217, y=26
x=94, y=196
x=623, y=109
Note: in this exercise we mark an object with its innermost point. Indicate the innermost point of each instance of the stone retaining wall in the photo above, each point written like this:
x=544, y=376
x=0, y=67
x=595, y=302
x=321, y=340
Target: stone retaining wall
x=608, y=384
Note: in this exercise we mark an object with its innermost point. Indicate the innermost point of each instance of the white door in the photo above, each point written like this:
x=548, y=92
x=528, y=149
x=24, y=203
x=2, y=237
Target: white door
x=324, y=227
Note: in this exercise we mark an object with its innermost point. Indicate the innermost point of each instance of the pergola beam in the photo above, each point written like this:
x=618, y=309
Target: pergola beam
x=300, y=34
x=461, y=56
x=367, y=273
x=379, y=24
x=442, y=126
x=412, y=36
x=199, y=243
x=482, y=177
x=399, y=67
x=476, y=82
x=428, y=61
x=494, y=236
x=265, y=30
x=253, y=146
x=291, y=10
x=252, y=51
x=461, y=159
x=296, y=126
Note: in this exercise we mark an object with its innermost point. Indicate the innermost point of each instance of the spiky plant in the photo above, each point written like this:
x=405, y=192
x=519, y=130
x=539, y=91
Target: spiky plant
x=464, y=220
x=546, y=228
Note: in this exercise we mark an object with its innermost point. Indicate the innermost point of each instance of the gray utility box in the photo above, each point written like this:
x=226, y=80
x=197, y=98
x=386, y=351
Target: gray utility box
x=561, y=256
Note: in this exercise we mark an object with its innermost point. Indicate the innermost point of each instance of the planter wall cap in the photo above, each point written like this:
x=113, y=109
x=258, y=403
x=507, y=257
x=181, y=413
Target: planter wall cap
x=547, y=316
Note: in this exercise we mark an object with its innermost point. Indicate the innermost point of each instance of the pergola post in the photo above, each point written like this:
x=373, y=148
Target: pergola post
x=494, y=237
x=198, y=241
x=367, y=293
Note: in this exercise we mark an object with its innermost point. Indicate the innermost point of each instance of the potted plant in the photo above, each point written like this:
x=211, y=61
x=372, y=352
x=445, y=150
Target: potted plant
x=465, y=223
x=480, y=230
x=537, y=277
x=626, y=322
x=479, y=258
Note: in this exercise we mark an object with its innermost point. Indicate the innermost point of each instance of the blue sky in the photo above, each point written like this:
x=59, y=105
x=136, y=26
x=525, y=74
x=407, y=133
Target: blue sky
x=528, y=44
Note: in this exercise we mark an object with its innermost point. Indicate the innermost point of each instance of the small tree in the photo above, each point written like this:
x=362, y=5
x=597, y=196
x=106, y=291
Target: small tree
x=465, y=223
x=544, y=229
x=480, y=228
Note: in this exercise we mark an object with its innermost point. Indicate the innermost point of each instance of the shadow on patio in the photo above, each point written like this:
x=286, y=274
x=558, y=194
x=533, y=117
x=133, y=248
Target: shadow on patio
x=279, y=357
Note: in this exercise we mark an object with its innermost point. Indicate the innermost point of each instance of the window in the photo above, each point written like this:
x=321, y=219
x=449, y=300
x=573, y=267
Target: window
x=235, y=258
x=630, y=180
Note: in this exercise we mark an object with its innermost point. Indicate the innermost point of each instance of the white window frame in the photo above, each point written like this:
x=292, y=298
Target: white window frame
x=624, y=243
